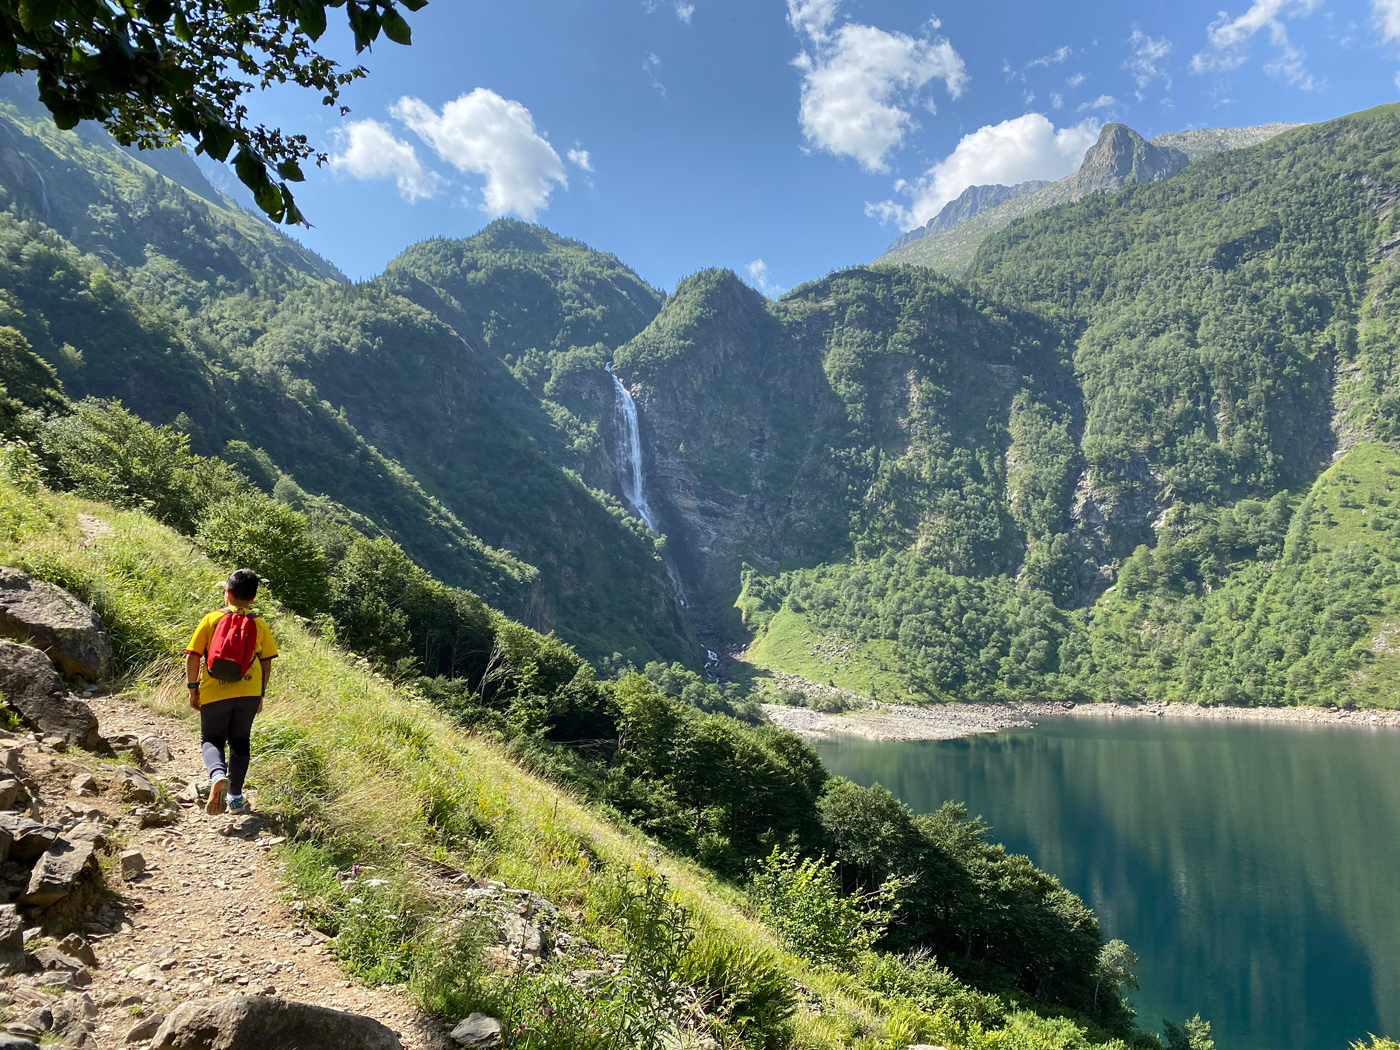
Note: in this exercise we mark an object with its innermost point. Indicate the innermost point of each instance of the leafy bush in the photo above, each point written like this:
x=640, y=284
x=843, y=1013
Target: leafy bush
x=801, y=898
x=252, y=531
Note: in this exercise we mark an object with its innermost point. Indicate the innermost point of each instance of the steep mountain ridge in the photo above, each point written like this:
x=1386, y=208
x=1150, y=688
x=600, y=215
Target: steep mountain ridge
x=950, y=246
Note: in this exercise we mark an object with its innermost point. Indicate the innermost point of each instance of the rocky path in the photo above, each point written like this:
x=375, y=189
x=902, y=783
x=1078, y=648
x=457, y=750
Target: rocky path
x=205, y=919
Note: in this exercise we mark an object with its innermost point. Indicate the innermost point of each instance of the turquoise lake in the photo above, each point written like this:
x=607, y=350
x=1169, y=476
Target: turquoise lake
x=1254, y=868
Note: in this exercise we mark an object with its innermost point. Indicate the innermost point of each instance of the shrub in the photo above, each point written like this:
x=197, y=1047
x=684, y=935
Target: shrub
x=250, y=530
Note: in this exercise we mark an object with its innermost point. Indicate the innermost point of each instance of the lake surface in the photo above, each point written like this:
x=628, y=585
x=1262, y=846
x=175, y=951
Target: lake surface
x=1255, y=868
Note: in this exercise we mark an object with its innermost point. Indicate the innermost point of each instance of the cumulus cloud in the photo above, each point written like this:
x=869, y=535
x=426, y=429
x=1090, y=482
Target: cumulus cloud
x=1387, y=14
x=1017, y=150
x=1227, y=41
x=860, y=84
x=1054, y=58
x=581, y=158
x=1145, y=57
x=684, y=11
x=1056, y=100
x=485, y=134
x=373, y=152
x=1077, y=79
x=762, y=279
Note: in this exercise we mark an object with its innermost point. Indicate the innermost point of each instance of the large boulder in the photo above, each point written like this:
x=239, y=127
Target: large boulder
x=35, y=690
x=23, y=840
x=58, y=870
x=257, y=1022
x=51, y=619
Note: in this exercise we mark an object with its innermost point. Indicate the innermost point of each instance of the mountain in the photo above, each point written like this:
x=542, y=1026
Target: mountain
x=972, y=201
x=392, y=398
x=1119, y=158
x=1142, y=450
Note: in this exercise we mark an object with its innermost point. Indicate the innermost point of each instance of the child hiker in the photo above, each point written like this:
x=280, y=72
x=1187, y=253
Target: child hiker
x=235, y=649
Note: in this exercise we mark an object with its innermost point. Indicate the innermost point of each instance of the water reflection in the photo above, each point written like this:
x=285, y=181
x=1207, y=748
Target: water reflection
x=1252, y=867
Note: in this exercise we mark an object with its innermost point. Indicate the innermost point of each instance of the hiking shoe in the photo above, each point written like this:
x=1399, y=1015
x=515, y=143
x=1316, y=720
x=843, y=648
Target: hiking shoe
x=238, y=804
x=218, y=794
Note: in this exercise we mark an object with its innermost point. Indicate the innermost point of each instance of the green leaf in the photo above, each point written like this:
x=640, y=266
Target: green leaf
x=395, y=28
x=37, y=14
x=365, y=24
x=217, y=141
x=290, y=170
x=311, y=16
x=240, y=7
x=182, y=28
x=414, y=5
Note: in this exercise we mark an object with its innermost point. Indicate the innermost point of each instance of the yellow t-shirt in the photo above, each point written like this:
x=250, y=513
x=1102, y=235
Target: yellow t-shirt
x=212, y=689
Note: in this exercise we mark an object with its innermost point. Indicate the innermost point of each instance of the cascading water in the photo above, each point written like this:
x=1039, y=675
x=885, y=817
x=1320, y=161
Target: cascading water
x=629, y=457
x=629, y=469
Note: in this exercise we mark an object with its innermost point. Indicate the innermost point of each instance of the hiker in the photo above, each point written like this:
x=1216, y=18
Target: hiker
x=235, y=649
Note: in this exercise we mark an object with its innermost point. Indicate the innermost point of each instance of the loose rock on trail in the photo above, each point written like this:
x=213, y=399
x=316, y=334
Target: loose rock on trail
x=197, y=917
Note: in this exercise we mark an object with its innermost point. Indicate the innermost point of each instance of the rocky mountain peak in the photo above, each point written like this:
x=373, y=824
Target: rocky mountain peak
x=1122, y=157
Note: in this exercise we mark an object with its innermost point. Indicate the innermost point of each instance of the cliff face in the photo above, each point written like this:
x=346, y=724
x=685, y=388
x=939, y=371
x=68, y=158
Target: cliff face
x=865, y=412
x=1121, y=158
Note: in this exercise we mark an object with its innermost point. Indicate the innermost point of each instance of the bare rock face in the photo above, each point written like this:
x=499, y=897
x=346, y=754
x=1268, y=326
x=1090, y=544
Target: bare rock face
x=34, y=689
x=257, y=1022
x=51, y=619
x=57, y=872
x=1122, y=157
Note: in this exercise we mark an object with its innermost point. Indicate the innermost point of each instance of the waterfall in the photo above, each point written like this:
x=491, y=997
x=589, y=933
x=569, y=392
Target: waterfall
x=629, y=470
x=629, y=458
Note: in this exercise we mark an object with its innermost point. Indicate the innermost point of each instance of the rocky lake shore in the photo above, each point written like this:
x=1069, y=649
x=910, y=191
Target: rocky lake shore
x=949, y=721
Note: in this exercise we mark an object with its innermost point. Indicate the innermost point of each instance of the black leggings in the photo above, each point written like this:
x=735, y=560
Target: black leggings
x=228, y=722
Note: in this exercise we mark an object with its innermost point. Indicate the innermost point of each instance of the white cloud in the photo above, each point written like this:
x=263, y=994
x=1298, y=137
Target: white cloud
x=860, y=84
x=1017, y=150
x=650, y=65
x=1104, y=102
x=1054, y=58
x=1387, y=14
x=684, y=11
x=812, y=18
x=1056, y=100
x=488, y=135
x=372, y=152
x=1028, y=97
x=762, y=279
x=581, y=157
x=1227, y=41
x=1077, y=79
x=1144, y=61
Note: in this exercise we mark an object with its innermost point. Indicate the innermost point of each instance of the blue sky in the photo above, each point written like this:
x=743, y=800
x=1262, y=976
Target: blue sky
x=805, y=134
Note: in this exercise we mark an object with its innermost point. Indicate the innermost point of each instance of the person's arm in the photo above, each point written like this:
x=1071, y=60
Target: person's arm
x=192, y=675
x=266, y=677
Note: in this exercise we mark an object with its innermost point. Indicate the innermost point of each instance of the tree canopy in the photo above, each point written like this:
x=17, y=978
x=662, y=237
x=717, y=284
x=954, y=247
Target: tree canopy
x=156, y=71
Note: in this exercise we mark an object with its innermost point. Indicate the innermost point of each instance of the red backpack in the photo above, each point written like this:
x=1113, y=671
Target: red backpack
x=233, y=646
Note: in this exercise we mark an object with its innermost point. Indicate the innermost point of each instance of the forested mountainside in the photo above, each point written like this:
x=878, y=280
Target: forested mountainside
x=1143, y=454
x=1144, y=451
x=949, y=241
x=390, y=397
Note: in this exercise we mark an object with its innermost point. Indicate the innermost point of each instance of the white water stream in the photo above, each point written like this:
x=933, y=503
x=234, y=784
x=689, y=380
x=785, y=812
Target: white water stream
x=629, y=454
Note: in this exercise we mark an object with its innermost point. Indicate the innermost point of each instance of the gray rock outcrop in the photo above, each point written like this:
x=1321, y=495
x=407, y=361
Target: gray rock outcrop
x=479, y=1032
x=256, y=1022
x=22, y=840
x=57, y=872
x=51, y=619
x=1122, y=157
x=34, y=690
